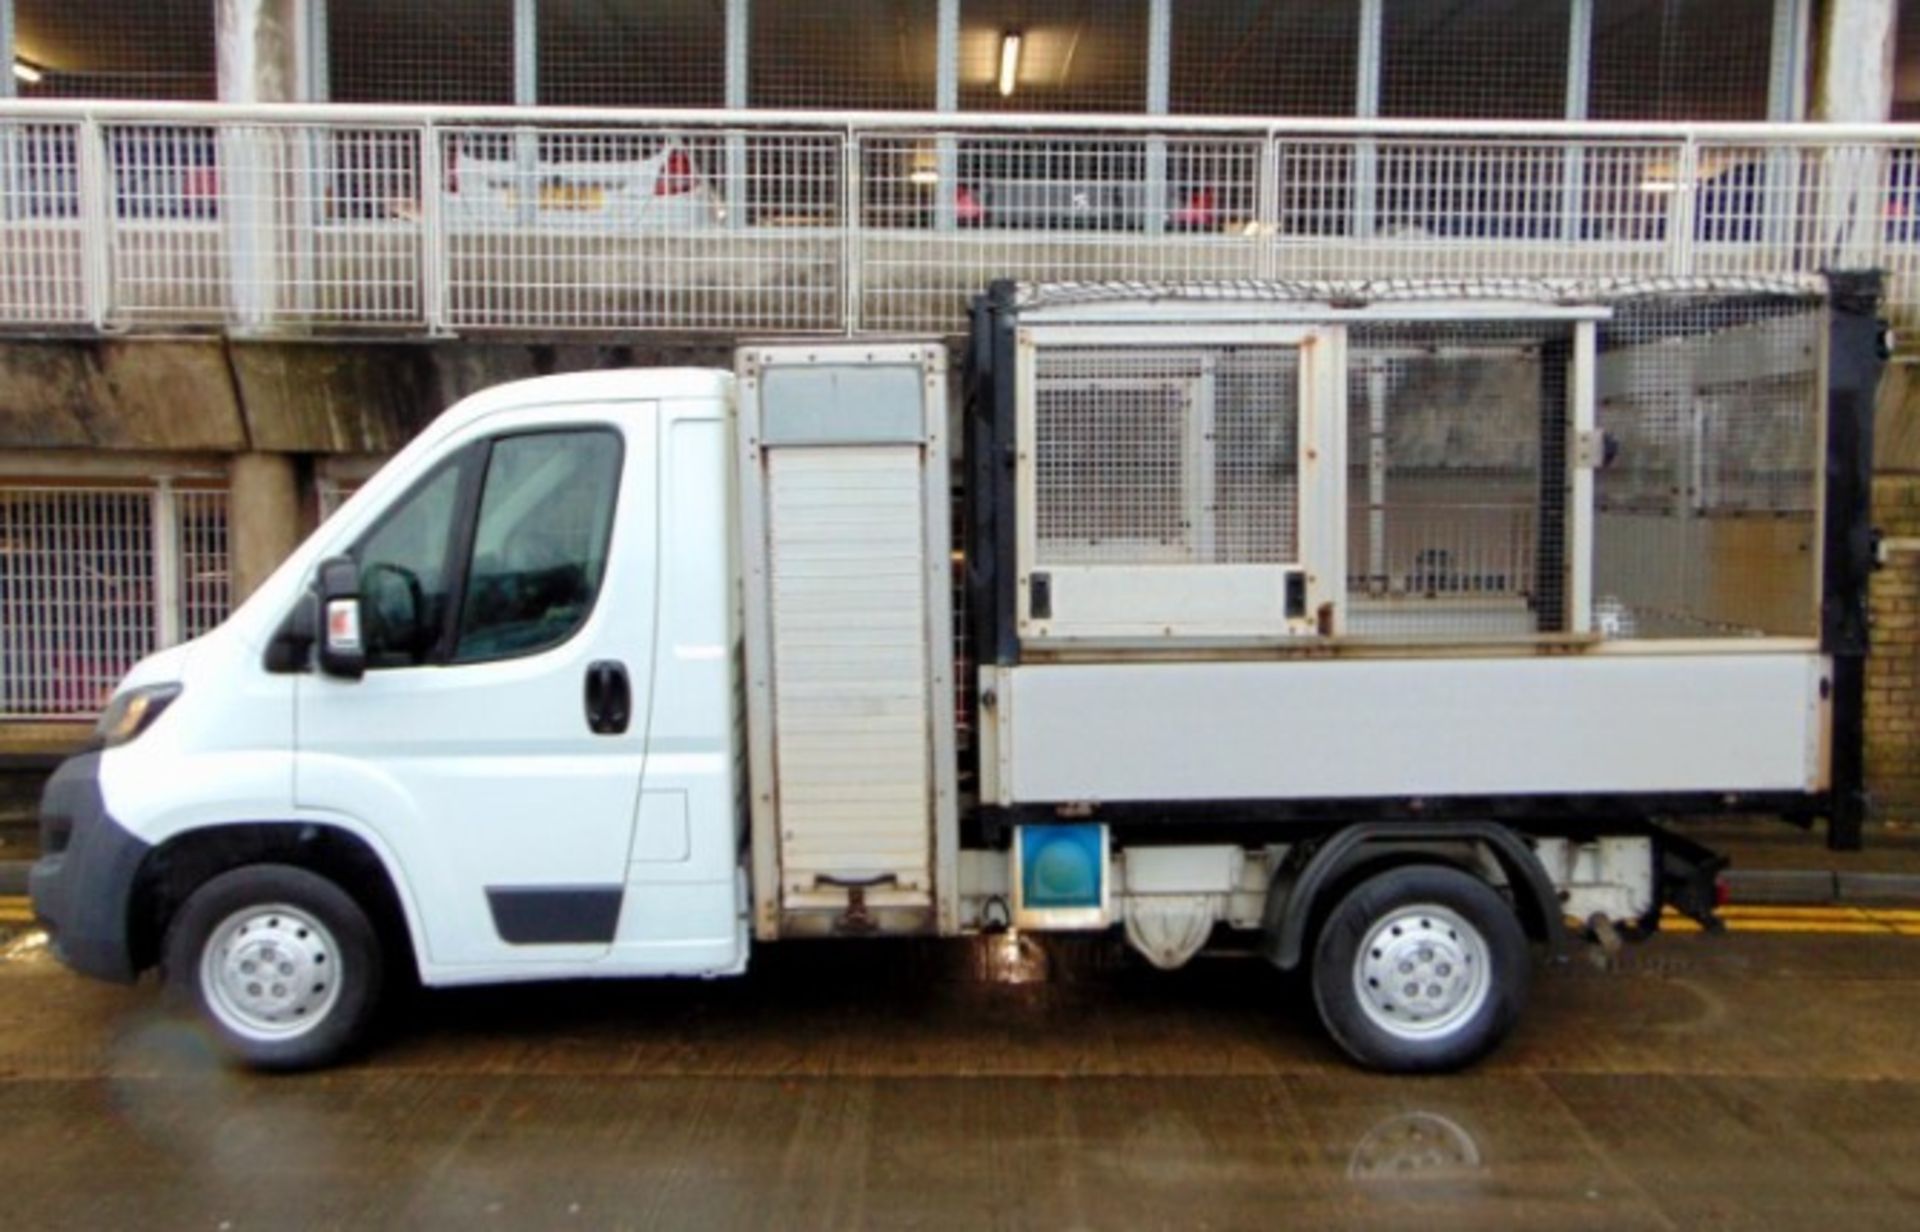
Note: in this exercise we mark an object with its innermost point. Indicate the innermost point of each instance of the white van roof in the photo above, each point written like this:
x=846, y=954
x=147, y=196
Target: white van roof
x=610, y=385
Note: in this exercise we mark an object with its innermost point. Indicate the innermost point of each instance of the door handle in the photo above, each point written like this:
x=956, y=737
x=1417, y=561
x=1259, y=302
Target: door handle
x=609, y=698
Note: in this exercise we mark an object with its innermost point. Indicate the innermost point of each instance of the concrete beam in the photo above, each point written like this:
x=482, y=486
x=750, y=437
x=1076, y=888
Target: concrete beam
x=161, y=396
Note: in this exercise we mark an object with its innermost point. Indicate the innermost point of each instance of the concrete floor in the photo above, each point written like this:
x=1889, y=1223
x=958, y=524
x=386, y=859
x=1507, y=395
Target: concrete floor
x=1731, y=1081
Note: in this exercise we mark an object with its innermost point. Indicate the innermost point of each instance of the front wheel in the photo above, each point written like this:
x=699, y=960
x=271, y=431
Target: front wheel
x=283, y=964
x=1420, y=968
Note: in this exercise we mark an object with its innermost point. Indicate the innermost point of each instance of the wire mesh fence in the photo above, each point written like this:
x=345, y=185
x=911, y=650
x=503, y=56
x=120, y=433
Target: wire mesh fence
x=423, y=51
x=1053, y=55
x=42, y=251
x=1681, y=59
x=1229, y=57
x=874, y=55
x=93, y=578
x=1504, y=59
x=630, y=53
x=656, y=229
x=1647, y=59
x=361, y=225
x=145, y=49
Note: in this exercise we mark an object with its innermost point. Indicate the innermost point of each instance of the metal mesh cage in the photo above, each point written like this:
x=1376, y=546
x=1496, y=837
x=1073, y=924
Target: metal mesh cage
x=1707, y=511
x=1167, y=456
x=1449, y=438
x=114, y=49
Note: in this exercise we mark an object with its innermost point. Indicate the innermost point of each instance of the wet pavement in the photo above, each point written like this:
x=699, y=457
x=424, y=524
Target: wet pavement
x=1700, y=1081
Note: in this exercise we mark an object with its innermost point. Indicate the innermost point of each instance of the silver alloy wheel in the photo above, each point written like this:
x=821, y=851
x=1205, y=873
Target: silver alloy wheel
x=270, y=972
x=1423, y=972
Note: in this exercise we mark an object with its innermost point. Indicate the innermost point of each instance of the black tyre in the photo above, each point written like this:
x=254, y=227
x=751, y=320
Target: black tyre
x=1420, y=968
x=282, y=963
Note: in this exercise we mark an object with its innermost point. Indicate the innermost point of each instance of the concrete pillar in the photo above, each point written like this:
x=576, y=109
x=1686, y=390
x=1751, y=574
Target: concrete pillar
x=262, y=50
x=1854, y=85
x=262, y=57
x=264, y=518
x=1854, y=80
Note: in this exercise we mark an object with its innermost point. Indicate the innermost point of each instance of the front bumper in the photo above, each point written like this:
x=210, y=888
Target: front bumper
x=83, y=883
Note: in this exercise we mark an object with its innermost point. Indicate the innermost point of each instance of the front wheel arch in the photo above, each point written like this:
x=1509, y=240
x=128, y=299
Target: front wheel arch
x=174, y=869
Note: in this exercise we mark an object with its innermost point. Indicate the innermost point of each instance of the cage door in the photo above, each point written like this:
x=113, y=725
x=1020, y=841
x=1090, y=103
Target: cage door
x=1179, y=491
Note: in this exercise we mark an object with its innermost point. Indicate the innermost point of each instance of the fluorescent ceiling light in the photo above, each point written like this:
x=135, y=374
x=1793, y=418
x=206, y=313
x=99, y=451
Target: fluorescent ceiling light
x=923, y=175
x=1659, y=186
x=27, y=72
x=1009, y=60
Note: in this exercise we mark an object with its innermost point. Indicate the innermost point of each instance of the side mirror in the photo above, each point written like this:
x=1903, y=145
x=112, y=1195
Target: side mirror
x=342, y=651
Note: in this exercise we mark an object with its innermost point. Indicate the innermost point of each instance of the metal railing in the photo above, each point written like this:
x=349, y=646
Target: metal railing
x=315, y=219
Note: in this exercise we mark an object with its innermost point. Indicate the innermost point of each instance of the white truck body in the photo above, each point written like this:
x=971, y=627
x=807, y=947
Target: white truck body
x=634, y=668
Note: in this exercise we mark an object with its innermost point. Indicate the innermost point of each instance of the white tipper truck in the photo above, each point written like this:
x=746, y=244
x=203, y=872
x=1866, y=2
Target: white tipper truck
x=1371, y=626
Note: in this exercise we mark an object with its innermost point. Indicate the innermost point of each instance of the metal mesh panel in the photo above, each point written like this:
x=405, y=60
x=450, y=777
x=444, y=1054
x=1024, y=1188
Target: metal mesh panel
x=1680, y=59
x=1496, y=59
x=42, y=278
x=1451, y=429
x=168, y=259
x=631, y=53
x=1442, y=208
x=162, y=49
x=421, y=51
x=1264, y=57
x=206, y=579
x=82, y=584
x=638, y=229
x=76, y=593
x=1154, y=456
x=1074, y=56
x=1708, y=507
x=870, y=55
x=1045, y=208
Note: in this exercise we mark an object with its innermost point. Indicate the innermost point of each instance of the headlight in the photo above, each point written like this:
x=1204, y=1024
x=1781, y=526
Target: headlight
x=132, y=713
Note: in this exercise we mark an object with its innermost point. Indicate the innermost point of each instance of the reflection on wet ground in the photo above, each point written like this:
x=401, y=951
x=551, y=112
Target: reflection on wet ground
x=1724, y=1082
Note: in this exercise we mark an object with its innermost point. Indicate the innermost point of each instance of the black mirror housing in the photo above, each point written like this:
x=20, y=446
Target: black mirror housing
x=342, y=648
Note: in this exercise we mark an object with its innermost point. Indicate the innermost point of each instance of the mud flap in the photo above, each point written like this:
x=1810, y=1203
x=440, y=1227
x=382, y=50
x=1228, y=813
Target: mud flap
x=1689, y=879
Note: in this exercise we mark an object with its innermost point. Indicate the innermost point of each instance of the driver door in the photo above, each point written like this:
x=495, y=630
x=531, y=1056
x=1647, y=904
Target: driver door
x=496, y=740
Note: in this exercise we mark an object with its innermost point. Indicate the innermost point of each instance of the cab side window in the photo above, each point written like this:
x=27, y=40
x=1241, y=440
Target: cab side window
x=540, y=542
x=405, y=582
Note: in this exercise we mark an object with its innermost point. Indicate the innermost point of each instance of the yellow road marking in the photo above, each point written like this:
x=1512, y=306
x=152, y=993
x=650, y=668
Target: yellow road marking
x=1830, y=920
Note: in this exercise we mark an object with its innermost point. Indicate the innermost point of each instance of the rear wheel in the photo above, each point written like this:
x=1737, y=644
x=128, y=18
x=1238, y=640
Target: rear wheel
x=1420, y=968
x=283, y=964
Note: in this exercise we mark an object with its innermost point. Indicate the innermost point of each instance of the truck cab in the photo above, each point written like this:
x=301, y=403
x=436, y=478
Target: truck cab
x=525, y=762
